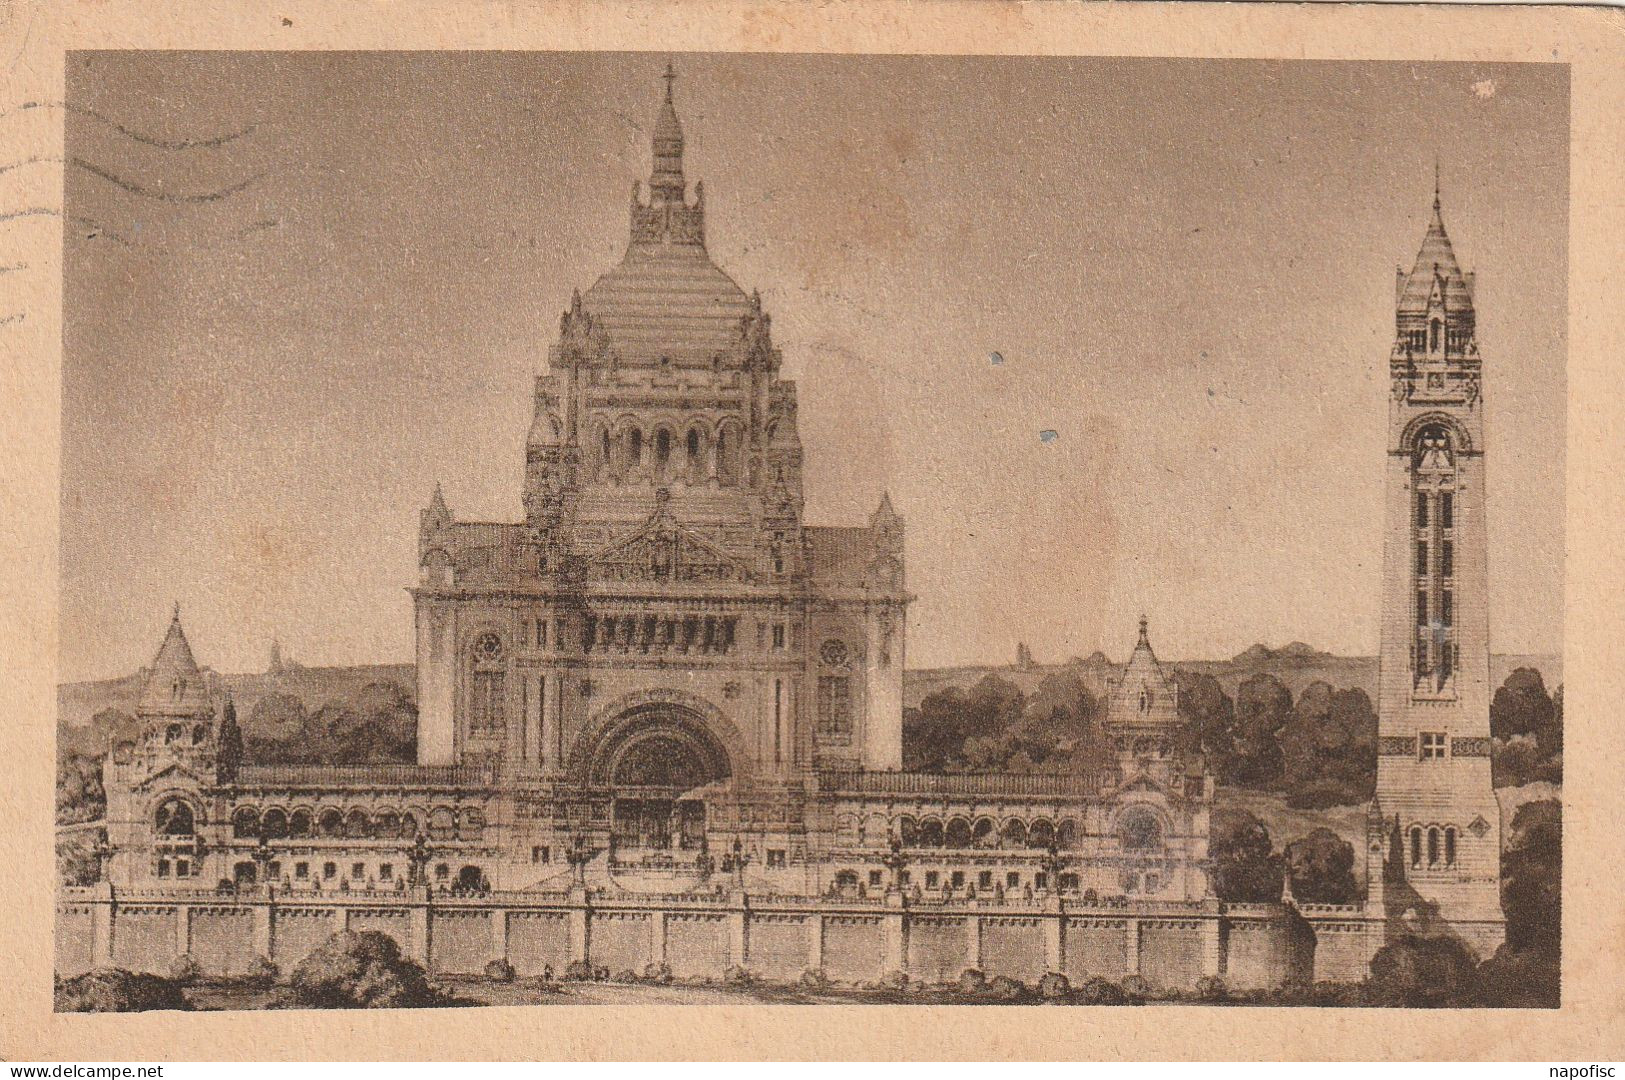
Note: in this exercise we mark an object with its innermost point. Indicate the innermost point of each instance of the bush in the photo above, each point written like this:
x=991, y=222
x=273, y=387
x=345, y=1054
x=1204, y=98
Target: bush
x=894, y=980
x=1136, y=988
x=657, y=973
x=358, y=971
x=972, y=981
x=1004, y=988
x=814, y=979
x=738, y=976
x=1418, y=971
x=626, y=975
x=117, y=990
x=262, y=973
x=184, y=971
x=1054, y=986
x=500, y=971
x=1098, y=991
x=1519, y=979
x=578, y=971
x=1212, y=988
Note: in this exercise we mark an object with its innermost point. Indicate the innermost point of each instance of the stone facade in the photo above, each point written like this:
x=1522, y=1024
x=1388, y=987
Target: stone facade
x=1434, y=843
x=660, y=718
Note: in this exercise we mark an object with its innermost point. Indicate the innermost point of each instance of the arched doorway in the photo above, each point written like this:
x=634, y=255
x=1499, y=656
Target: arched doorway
x=657, y=762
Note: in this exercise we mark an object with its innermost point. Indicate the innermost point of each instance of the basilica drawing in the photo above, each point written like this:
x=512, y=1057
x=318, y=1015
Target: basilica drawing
x=660, y=717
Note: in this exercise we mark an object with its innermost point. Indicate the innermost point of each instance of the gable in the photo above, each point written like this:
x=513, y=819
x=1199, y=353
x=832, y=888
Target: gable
x=663, y=550
x=172, y=775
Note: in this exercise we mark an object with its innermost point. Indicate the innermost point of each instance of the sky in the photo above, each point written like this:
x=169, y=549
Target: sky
x=302, y=288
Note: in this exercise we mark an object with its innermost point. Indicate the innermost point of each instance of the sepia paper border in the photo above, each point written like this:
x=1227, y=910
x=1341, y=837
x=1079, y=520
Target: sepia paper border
x=33, y=38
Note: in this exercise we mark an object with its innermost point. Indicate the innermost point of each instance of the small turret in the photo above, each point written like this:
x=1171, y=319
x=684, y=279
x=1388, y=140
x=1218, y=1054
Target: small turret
x=886, y=526
x=436, y=517
x=175, y=685
x=176, y=708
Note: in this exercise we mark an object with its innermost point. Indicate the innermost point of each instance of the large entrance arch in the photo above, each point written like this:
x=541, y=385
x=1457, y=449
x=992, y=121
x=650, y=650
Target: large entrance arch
x=657, y=759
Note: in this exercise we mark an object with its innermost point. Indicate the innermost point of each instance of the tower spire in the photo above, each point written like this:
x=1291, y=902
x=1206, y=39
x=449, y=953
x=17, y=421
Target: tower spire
x=666, y=184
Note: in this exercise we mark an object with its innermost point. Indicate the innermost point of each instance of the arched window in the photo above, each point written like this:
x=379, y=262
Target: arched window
x=1450, y=845
x=1066, y=836
x=1433, y=335
x=693, y=449
x=331, y=823
x=957, y=834
x=1433, y=846
x=634, y=447
x=409, y=826
x=199, y=733
x=1015, y=833
x=603, y=447
x=275, y=823
x=472, y=825
x=1139, y=830
x=245, y=823
x=299, y=823
x=1041, y=835
x=662, y=449
x=442, y=824
x=984, y=833
x=930, y=833
x=175, y=817
x=387, y=823
x=173, y=733
x=908, y=831
x=1416, y=846
x=356, y=825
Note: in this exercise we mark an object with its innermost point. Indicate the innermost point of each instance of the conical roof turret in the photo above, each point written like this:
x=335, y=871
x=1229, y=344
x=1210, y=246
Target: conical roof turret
x=175, y=685
x=1435, y=268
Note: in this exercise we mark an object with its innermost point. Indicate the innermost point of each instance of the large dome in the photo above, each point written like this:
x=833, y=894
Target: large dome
x=667, y=300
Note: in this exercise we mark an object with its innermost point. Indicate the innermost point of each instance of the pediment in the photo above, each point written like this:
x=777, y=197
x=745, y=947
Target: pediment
x=172, y=775
x=1141, y=783
x=662, y=549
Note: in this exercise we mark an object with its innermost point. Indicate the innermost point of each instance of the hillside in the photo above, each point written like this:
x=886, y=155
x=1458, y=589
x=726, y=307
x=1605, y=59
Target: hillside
x=77, y=703
x=1295, y=665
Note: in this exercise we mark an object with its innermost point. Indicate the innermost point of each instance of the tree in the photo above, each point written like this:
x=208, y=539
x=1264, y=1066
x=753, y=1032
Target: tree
x=1527, y=726
x=1521, y=706
x=1328, y=748
x=228, y=756
x=1245, y=867
x=1532, y=877
x=934, y=732
x=76, y=860
x=1208, y=715
x=1321, y=868
x=1263, y=708
x=938, y=735
x=79, y=794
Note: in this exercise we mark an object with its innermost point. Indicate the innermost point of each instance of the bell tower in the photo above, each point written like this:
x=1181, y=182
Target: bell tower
x=1434, y=861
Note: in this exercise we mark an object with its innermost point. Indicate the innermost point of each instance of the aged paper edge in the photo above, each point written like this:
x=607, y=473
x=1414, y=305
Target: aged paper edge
x=1588, y=1025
